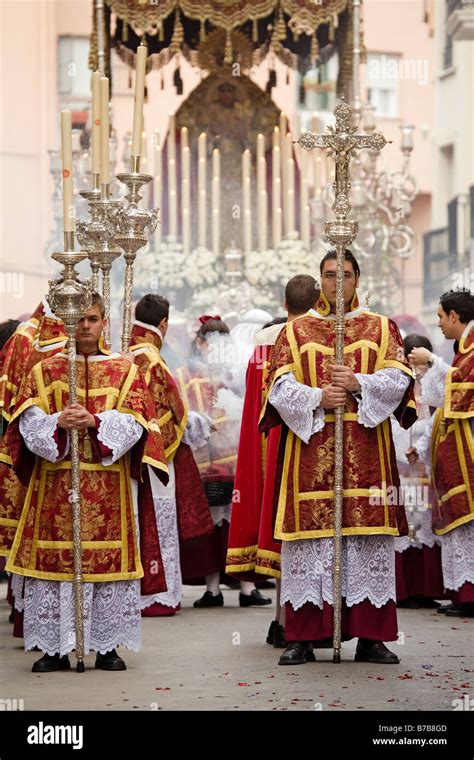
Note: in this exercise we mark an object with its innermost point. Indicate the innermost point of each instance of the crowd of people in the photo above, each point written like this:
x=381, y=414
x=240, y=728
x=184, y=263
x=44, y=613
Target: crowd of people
x=221, y=471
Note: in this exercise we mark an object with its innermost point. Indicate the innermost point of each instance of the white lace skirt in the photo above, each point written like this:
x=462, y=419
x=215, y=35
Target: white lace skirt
x=457, y=556
x=111, y=616
x=368, y=570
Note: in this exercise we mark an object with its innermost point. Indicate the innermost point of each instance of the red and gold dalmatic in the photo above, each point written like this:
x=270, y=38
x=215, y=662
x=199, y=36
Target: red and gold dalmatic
x=452, y=444
x=34, y=340
x=43, y=545
x=171, y=413
x=306, y=347
x=216, y=461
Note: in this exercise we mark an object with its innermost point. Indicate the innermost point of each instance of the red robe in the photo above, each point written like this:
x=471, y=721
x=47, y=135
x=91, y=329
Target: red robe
x=251, y=546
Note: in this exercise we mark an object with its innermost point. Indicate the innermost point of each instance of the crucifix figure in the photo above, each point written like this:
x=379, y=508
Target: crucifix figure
x=342, y=142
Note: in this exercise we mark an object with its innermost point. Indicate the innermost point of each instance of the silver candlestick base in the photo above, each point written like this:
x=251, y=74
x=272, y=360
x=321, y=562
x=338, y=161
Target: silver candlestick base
x=134, y=225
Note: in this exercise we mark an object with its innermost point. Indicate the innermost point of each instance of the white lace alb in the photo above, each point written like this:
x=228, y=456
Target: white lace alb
x=368, y=570
x=37, y=430
x=457, y=556
x=111, y=616
x=119, y=432
x=164, y=501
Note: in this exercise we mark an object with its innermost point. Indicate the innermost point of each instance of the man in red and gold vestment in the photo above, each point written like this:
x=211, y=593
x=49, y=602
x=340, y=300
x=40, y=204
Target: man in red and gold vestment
x=180, y=507
x=112, y=416
x=252, y=548
x=449, y=447
x=304, y=386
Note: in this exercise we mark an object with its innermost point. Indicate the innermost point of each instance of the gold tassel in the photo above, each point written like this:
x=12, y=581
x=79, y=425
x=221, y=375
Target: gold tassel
x=125, y=32
x=254, y=31
x=331, y=32
x=228, y=54
x=202, y=31
x=335, y=21
x=178, y=35
x=161, y=31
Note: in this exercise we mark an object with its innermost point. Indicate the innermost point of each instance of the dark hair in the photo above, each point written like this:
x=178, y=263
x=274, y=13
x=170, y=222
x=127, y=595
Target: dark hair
x=460, y=301
x=348, y=256
x=152, y=309
x=416, y=341
x=212, y=325
x=276, y=321
x=301, y=293
x=6, y=330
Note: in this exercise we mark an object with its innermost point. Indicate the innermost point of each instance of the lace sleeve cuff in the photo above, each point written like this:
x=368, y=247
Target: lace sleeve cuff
x=433, y=383
x=298, y=405
x=38, y=431
x=381, y=394
x=119, y=432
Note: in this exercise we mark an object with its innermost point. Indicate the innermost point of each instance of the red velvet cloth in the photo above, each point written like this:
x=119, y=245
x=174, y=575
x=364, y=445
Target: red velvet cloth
x=204, y=555
x=194, y=517
x=364, y=620
x=418, y=573
x=252, y=519
x=464, y=595
x=153, y=581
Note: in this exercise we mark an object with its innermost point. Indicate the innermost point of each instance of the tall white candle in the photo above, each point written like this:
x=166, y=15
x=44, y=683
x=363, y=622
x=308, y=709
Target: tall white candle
x=277, y=220
x=303, y=188
x=276, y=137
x=95, y=126
x=290, y=211
x=104, y=131
x=262, y=220
x=139, y=100
x=186, y=231
x=186, y=179
x=246, y=190
x=306, y=226
x=157, y=185
x=260, y=147
x=216, y=179
x=173, y=213
x=283, y=124
x=315, y=122
x=66, y=155
x=202, y=220
x=184, y=137
x=202, y=194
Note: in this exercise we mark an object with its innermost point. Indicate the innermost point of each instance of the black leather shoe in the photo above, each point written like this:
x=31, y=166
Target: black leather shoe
x=254, y=598
x=109, y=661
x=209, y=600
x=265, y=584
x=48, y=663
x=271, y=632
x=464, y=610
x=376, y=652
x=297, y=653
x=279, y=641
x=445, y=607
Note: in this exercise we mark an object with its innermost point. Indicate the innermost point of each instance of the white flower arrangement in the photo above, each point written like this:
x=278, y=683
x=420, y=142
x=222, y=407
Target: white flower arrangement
x=201, y=268
x=162, y=269
x=262, y=268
